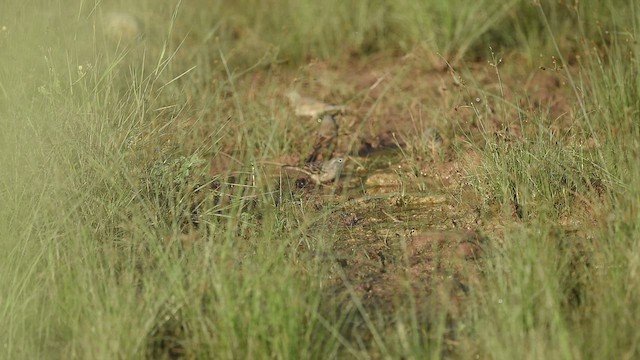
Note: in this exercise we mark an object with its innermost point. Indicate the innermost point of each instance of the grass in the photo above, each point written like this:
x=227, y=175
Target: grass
x=126, y=234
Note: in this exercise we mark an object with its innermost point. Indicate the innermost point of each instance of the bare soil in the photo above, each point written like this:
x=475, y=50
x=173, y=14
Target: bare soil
x=406, y=220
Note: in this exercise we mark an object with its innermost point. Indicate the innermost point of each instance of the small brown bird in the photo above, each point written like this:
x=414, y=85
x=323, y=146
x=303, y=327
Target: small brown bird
x=321, y=171
x=306, y=106
x=325, y=139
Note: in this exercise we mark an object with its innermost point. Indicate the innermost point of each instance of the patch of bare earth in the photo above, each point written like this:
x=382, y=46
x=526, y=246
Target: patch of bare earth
x=410, y=230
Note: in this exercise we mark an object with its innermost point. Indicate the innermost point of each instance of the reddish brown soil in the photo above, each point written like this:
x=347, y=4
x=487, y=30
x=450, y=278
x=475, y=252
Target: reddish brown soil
x=388, y=249
x=428, y=245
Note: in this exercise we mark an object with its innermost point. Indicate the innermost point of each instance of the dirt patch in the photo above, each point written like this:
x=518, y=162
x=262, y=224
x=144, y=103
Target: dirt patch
x=409, y=227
